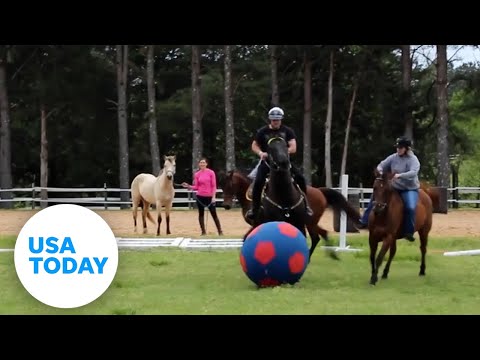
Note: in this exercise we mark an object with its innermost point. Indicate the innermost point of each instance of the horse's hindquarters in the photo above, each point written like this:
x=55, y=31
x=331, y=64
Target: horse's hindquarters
x=142, y=186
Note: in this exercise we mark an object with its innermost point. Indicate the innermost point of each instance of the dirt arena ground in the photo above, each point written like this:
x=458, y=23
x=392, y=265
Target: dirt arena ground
x=184, y=223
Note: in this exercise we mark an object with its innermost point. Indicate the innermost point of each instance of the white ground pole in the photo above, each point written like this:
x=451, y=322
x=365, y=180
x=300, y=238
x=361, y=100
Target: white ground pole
x=342, y=246
x=462, y=253
x=207, y=244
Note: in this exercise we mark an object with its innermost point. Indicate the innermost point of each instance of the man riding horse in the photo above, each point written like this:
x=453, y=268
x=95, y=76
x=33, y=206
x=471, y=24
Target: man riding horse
x=273, y=129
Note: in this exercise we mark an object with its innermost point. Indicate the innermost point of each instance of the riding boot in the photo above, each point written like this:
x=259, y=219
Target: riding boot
x=308, y=208
x=302, y=184
x=217, y=224
x=409, y=225
x=256, y=193
x=202, y=224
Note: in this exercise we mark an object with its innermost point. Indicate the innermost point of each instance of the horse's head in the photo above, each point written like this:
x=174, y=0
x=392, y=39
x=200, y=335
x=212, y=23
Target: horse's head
x=169, y=166
x=228, y=187
x=382, y=189
x=278, y=157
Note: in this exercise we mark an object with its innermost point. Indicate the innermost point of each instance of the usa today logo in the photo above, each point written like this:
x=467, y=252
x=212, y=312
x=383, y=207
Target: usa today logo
x=66, y=256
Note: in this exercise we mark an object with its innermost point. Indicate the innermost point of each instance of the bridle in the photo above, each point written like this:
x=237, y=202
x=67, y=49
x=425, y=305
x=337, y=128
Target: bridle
x=274, y=166
x=271, y=163
x=380, y=205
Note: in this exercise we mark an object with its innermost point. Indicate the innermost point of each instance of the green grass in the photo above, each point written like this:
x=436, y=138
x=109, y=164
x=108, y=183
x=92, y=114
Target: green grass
x=173, y=281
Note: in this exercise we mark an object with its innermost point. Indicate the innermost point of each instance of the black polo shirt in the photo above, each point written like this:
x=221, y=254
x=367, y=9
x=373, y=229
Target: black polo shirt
x=265, y=133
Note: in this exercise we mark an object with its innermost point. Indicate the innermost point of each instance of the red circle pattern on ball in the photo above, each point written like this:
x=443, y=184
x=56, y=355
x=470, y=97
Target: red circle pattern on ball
x=288, y=230
x=264, y=252
x=296, y=263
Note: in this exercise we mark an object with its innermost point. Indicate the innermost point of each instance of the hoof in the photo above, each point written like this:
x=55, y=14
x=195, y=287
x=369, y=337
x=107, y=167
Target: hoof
x=384, y=276
x=373, y=283
x=333, y=255
x=421, y=274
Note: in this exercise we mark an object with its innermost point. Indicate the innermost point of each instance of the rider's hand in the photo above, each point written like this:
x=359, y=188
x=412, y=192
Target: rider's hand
x=262, y=155
x=396, y=176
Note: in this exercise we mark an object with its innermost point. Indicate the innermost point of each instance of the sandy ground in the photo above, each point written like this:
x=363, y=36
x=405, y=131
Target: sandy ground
x=184, y=223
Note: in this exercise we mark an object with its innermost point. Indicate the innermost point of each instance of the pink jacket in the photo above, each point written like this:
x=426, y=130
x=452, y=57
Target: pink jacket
x=205, y=182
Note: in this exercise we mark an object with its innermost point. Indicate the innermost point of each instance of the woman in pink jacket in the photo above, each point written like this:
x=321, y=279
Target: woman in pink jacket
x=205, y=185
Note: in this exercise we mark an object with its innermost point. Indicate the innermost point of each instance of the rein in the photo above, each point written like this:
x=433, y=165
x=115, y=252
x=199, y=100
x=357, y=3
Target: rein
x=286, y=209
x=384, y=204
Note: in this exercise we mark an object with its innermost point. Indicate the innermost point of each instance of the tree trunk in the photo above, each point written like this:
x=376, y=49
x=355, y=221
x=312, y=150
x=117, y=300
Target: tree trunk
x=274, y=66
x=328, y=125
x=43, y=157
x=307, y=119
x=122, y=72
x=152, y=120
x=443, y=175
x=347, y=129
x=229, y=122
x=197, y=146
x=5, y=147
x=406, y=91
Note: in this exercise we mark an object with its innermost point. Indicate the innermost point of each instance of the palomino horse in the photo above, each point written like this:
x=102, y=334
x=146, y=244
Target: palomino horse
x=147, y=189
x=385, y=223
x=235, y=184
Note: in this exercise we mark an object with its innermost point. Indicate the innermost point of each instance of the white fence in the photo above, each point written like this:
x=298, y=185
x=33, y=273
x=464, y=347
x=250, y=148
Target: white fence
x=109, y=198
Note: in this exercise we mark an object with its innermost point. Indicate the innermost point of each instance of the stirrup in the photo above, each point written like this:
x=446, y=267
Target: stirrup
x=409, y=237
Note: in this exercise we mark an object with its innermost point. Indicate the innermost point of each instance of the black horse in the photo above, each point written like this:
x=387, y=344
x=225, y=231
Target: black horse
x=282, y=199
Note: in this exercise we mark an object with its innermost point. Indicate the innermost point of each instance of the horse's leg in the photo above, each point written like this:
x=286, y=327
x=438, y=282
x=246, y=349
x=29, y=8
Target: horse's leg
x=423, y=249
x=167, y=217
x=314, y=239
x=324, y=234
x=317, y=230
x=393, y=250
x=159, y=216
x=248, y=233
x=135, y=204
x=145, y=209
x=381, y=255
x=373, y=251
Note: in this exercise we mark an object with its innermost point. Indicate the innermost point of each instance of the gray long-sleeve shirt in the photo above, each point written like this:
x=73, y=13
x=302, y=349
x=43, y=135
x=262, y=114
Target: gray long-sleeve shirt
x=406, y=166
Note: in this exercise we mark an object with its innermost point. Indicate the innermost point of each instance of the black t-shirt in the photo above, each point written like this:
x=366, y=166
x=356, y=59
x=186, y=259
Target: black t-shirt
x=265, y=133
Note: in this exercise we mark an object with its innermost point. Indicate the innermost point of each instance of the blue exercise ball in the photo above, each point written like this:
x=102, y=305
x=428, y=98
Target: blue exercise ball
x=274, y=253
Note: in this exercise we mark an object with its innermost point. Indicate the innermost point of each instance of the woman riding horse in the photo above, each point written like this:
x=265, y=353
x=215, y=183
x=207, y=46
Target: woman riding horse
x=405, y=165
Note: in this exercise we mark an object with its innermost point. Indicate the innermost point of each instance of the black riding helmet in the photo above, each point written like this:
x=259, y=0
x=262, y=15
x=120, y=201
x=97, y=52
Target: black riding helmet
x=403, y=141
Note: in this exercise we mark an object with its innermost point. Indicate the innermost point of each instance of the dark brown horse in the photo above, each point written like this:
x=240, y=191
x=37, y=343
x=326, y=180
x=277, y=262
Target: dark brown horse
x=385, y=223
x=235, y=184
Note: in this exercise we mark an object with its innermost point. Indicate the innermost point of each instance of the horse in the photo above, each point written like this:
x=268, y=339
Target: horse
x=147, y=189
x=385, y=223
x=236, y=184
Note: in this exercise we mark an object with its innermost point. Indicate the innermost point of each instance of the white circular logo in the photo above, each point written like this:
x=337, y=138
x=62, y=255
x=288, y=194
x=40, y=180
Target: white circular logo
x=66, y=256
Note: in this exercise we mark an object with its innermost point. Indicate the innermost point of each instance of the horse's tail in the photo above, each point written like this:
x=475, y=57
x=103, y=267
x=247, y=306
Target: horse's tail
x=338, y=202
x=149, y=216
x=432, y=193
